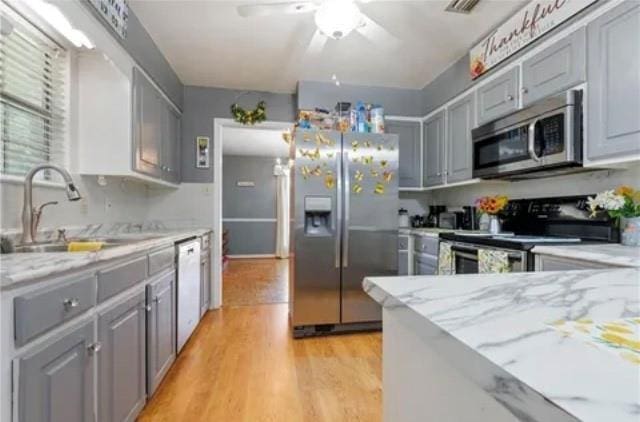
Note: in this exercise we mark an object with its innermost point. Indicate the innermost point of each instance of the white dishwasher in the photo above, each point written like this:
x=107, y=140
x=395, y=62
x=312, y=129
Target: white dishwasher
x=188, y=289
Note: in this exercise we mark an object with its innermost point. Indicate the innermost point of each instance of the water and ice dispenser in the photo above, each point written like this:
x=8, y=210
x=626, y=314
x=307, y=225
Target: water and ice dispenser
x=317, y=216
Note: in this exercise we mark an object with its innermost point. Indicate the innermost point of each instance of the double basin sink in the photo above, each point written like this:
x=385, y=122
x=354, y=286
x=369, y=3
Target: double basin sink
x=107, y=242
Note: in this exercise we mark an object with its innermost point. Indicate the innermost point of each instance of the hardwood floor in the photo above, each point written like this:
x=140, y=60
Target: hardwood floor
x=255, y=281
x=242, y=364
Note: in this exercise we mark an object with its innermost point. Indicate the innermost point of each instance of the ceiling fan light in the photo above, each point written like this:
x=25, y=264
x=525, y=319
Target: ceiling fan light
x=337, y=18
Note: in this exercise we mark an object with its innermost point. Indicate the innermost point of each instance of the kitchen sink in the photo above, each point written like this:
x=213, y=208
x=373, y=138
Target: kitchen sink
x=53, y=247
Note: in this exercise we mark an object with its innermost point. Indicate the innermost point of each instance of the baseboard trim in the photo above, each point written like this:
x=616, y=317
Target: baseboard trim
x=252, y=256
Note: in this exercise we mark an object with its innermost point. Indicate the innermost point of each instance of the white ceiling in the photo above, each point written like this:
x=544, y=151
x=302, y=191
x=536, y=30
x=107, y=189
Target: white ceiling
x=255, y=142
x=208, y=44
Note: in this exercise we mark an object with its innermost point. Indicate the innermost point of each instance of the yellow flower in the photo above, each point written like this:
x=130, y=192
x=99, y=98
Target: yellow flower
x=625, y=190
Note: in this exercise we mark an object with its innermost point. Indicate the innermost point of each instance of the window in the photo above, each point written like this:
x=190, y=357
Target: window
x=32, y=96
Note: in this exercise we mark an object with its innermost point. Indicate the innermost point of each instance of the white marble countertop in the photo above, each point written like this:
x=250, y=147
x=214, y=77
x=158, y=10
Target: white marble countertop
x=610, y=254
x=494, y=329
x=19, y=268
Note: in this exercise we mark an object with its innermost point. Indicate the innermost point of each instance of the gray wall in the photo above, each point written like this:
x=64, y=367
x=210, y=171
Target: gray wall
x=249, y=238
x=396, y=101
x=202, y=105
x=456, y=78
x=144, y=51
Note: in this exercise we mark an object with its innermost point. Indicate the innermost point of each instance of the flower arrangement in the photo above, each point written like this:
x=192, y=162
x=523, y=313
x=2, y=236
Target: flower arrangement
x=492, y=205
x=622, y=202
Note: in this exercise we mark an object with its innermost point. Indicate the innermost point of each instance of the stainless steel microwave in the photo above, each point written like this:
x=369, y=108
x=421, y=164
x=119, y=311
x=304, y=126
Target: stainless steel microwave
x=538, y=140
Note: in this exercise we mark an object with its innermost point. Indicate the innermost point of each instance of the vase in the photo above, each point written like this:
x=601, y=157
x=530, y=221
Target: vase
x=630, y=231
x=495, y=227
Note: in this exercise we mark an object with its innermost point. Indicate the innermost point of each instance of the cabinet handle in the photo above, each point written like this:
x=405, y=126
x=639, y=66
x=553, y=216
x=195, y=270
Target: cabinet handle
x=71, y=303
x=147, y=308
x=509, y=97
x=157, y=300
x=524, y=90
x=94, y=348
x=438, y=174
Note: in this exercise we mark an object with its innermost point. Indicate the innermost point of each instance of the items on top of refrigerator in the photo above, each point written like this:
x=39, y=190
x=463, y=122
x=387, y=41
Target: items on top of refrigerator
x=362, y=118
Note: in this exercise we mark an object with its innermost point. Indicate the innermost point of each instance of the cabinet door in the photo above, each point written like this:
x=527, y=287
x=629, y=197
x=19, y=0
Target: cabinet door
x=403, y=263
x=409, y=151
x=553, y=263
x=147, y=126
x=498, y=97
x=205, y=284
x=613, y=119
x=121, y=363
x=170, y=145
x=555, y=69
x=433, y=158
x=161, y=329
x=56, y=382
x=459, y=157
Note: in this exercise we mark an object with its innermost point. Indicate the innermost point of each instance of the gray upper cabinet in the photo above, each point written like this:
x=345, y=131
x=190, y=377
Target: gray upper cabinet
x=556, y=68
x=56, y=382
x=459, y=156
x=156, y=132
x=498, y=97
x=409, y=151
x=613, y=67
x=434, y=141
x=122, y=360
x=161, y=329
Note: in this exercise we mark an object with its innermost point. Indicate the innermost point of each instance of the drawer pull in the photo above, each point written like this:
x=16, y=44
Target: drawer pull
x=71, y=303
x=147, y=308
x=94, y=348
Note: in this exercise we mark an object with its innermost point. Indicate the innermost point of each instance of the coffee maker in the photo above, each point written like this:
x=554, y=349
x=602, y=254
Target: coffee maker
x=434, y=213
x=469, y=218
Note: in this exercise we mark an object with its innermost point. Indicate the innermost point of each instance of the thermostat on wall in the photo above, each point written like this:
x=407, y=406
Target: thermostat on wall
x=246, y=184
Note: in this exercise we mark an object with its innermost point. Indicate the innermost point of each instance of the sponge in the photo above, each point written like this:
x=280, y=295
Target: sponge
x=84, y=246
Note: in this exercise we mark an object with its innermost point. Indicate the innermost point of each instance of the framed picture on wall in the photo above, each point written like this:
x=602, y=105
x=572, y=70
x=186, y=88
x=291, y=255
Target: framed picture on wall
x=202, y=152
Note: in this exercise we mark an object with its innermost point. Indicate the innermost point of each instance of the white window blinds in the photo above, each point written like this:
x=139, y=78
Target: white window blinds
x=32, y=96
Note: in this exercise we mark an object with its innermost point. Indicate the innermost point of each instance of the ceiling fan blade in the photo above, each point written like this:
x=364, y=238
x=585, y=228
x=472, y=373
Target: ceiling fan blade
x=375, y=33
x=269, y=9
x=316, y=45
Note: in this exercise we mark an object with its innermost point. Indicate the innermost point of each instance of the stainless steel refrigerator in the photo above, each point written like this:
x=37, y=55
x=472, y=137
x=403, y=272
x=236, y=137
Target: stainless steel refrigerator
x=344, y=228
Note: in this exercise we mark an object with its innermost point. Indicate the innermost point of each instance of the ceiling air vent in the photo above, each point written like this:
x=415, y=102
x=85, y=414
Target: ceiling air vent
x=461, y=6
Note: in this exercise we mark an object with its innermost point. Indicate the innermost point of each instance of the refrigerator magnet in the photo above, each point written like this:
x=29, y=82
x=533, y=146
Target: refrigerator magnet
x=202, y=152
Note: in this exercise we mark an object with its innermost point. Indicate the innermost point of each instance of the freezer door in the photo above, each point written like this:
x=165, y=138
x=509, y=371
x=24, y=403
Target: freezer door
x=369, y=243
x=315, y=267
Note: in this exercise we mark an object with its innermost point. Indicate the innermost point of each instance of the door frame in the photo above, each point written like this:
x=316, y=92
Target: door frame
x=218, y=141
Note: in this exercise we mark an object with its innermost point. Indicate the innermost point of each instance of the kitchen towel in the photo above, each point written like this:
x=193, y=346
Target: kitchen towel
x=491, y=261
x=445, y=266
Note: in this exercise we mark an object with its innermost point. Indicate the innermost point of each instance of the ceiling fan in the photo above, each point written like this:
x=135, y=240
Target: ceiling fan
x=334, y=19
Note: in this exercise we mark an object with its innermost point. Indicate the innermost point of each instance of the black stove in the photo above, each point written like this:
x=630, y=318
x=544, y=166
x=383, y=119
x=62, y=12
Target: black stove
x=511, y=241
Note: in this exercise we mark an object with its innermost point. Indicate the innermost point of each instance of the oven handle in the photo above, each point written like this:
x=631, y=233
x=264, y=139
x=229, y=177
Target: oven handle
x=532, y=140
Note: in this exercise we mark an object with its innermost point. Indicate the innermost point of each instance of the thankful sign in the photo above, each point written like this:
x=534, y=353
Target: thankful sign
x=531, y=22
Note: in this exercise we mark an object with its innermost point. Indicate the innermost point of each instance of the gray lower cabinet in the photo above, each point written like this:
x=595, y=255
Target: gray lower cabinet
x=433, y=131
x=409, y=149
x=613, y=67
x=403, y=262
x=554, y=263
x=161, y=329
x=460, y=120
x=205, y=282
x=56, y=382
x=498, y=97
x=556, y=68
x=425, y=264
x=122, y=360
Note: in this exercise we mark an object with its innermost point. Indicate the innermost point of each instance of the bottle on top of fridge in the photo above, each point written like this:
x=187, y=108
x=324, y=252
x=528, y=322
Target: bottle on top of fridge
x=377, y=119
x=362, y=117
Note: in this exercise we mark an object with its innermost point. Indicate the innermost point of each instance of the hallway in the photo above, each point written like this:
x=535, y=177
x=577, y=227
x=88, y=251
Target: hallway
x=242, y=364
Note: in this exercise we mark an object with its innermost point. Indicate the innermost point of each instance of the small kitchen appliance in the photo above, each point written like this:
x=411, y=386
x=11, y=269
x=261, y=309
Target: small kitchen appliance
x=403, y=218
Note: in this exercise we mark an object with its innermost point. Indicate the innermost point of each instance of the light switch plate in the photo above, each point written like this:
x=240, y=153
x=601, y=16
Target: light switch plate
x=245, y=184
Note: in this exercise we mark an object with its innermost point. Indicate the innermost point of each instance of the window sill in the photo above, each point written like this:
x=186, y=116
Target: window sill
x=17, y=180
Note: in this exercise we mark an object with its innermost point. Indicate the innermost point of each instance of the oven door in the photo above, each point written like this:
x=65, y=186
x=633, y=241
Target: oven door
x=465, y=259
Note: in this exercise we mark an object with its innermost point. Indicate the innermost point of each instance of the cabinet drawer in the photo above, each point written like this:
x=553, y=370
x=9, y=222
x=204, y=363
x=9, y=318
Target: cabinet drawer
x=426, y=245
x=425, y=265
x=119, y=278
x=40, y=311
x=403, y=243
x=552, y=263
x=161, y=260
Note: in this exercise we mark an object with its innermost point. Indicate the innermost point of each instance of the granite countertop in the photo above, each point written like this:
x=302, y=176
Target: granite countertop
x=610, y=254
x=433, y=231
x=497, y=329
x=19, y=268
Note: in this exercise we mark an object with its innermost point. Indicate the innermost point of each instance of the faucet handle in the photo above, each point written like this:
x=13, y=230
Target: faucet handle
x=62, y=235
x=44, y=205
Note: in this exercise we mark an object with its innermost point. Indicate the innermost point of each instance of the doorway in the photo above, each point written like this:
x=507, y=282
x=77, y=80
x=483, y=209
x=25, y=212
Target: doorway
x=247, y=163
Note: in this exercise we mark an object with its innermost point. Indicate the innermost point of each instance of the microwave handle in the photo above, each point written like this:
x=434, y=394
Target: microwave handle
x=532, y=140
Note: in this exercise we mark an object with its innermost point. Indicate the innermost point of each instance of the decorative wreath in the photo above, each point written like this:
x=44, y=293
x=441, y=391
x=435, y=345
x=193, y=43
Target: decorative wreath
x=250, y=117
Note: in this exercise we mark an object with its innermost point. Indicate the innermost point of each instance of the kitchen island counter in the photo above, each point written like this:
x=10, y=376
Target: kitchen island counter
x=491, y=346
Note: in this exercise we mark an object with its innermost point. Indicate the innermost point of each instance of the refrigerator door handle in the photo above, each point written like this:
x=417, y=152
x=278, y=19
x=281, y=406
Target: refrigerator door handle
x=347, y=200
x=338, y=217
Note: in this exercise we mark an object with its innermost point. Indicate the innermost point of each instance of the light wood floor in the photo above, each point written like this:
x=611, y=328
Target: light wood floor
x=255, y=281
x=241, y=364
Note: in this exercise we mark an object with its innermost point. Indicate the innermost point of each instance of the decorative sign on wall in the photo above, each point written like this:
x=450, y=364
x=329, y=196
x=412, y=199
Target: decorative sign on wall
x=532, y=21
x=115, y=12
x=202, y=152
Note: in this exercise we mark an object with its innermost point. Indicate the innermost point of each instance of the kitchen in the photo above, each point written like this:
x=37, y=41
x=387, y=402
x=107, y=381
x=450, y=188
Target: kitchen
x=521, y=161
